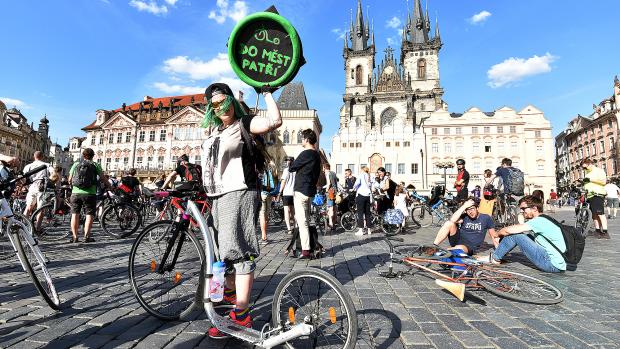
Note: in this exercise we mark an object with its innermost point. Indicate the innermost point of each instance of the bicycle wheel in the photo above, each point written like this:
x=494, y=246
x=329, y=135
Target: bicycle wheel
x=422, y=216
x=317, y=298
x=518, y=287
x=512, y=215
x=120, y=220
x=390, y=229
x=173, y=293
x=33, y=261
x=584, y=218
x=51, y=226
x=348, y=221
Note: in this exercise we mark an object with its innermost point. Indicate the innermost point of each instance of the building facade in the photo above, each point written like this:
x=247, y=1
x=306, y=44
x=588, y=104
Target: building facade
x=483, y=139
x=562, y=162
x=384, y=107
x=20, y=139
x=595, y=137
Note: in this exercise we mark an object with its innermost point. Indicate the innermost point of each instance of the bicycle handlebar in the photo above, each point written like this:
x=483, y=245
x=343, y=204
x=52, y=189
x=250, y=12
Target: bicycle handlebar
x=4, y=184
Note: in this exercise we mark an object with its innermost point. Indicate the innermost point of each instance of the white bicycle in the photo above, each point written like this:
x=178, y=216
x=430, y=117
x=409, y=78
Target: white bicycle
x=168, y=268
x=18, y=229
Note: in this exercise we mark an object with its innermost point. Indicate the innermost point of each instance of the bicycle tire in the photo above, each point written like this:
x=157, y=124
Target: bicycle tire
x=391, y=229
x=309, y=281
x=582, y=223
x=512, y=215
x=150, y=297
x=506, y=284
x=52, y=226
x=130, y=214
x=348, y=221
x=422, y=216
x=27, y=254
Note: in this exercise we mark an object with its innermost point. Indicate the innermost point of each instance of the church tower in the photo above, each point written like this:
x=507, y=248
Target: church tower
x=359, y=62
x=420, y=57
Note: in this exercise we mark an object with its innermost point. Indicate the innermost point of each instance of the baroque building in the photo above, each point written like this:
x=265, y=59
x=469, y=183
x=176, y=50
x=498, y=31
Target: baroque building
x=384, y=107
x=593, y=136
x=20, y=139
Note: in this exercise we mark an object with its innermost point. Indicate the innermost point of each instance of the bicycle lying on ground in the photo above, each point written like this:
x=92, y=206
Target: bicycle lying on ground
x=19, y=231
x=170, y=274
x=458, y=272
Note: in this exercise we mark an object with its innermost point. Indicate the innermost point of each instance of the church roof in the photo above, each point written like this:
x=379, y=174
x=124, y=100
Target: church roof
x=293, y=97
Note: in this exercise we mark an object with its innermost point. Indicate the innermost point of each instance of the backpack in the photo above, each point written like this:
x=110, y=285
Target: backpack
x=575, y=243
x=257, y=150
x=85, y=175
x=193, y=173
x=516, y=182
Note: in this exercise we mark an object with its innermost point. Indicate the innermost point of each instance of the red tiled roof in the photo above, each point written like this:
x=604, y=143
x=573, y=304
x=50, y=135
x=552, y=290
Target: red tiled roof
x=179, y=101
x=91, y=126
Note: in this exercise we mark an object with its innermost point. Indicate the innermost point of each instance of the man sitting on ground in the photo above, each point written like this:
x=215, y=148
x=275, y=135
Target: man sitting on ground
x=467, y=228
x=535, y=238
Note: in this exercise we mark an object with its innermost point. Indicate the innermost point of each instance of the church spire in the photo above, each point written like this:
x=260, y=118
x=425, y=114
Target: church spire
x=437, y=37
x=359, y=32
x=419, y=29
x=427, y=21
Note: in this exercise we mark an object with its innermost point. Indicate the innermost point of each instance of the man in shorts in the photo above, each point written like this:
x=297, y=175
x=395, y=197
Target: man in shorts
x=467, y=228
x=37, y=181
x=85, y=196
x=594, y=183
x=613, y=193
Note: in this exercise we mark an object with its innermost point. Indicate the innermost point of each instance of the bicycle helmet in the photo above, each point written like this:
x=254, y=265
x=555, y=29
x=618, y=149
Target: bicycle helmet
x=460, y=162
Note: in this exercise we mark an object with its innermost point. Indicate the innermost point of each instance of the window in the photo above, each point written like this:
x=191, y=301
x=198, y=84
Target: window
x=600, y=128
x=388, y=144
x=587, y=151
x=541, y=167
x=487, y=148
x=477, y=167
x=537, y=133
x=160, y=161
x=358, y=76
x=459, y=130
x=197, y=159
x=414, y=168
x=92, y=140
x=351, y=145
x=513, y=129
x=602, y=144
x=397, y=144
x=139, y=161
x=474, y=130
x=152, y=136
x=406, y=144
x=141, y=136
x=100, y=139
x=434, y=130
x=612, y=144
x=149, y=160
x=487, y=129
x=447, y=147
x=128, y=137
x=401, y=169
x=358, y=145
x=610, y=124
x=338, y=168
x=125, y=161
x=119, y=137
x=344, y=145
x=299, y=138
x=286, y=139
x=539, y=148
x=108, y=162
x=174, y=159
x=459, y=145
x=117, y=160
x=476, y=147
x=388, y=168
x=162, y=135
x=501, y=147
x=514, y=146
x=500, y=129
x=446, y=130
x=351, y=167
x=363, y=165
x=421, y=68
x=111, y=138
x=435, y=147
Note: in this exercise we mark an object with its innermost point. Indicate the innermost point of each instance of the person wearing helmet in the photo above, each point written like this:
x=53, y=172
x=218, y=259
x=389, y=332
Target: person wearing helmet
x=462, y=180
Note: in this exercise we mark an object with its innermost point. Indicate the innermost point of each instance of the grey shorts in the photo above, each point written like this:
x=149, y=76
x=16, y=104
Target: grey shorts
x=613, y=202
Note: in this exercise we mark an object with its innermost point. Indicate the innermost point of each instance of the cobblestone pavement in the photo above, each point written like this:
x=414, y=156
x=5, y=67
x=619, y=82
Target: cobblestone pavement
x=99, y=309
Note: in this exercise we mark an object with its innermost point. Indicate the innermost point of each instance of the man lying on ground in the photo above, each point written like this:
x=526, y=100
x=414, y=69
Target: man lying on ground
x=467, y=228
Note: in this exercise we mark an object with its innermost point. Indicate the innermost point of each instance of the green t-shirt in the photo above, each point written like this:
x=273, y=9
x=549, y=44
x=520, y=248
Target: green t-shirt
x=546, y=228
x=92, y=190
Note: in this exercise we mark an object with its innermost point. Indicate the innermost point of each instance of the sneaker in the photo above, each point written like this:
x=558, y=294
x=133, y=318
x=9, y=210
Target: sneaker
x=603, y=236
x=305, y=255
x=360, y=232
x=214, y=333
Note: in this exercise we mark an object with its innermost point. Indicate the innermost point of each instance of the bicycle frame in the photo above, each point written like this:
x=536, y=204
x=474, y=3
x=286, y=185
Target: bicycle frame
x=5, y=224
x=262, y=339
x=470, y=269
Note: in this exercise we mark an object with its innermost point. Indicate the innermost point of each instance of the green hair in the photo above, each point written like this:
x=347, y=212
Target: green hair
x=212, y=117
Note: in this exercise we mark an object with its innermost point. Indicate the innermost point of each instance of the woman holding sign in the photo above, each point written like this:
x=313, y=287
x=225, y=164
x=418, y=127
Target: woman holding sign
x=231, y=164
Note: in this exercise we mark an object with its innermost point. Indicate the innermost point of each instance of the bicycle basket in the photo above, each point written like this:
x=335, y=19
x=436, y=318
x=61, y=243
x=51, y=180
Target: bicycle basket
x=393, y=216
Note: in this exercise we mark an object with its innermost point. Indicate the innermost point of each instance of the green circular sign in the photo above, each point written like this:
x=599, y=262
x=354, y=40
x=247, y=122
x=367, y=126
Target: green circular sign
x=264, y=49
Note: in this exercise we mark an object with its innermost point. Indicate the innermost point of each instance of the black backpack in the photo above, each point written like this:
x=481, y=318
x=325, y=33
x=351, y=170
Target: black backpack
x=85, y=175
x=575, y=243
x=516, y=182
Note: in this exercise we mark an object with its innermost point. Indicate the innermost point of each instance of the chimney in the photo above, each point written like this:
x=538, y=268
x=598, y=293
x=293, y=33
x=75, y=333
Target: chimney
x=146, y=98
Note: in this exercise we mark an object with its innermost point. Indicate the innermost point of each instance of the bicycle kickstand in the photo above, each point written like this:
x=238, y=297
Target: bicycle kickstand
x=390, y=274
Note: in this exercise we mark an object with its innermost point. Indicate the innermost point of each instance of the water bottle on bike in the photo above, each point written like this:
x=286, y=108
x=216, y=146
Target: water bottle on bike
x=216, y=288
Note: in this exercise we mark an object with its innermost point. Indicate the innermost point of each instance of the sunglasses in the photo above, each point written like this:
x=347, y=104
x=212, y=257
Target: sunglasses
x=216, y=105
x=524, y=208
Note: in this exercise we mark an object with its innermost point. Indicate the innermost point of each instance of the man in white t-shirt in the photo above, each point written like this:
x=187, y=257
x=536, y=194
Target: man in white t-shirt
x=37, y=181
x=286, y=192
x=613, y=193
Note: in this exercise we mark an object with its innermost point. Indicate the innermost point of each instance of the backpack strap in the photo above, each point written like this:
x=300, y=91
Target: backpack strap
x=556, y=223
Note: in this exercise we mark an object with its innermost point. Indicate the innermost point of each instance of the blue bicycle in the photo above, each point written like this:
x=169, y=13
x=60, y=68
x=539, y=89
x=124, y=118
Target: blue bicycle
x=431, y=211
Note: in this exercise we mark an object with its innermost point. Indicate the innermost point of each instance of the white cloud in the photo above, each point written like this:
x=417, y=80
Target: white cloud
x=391, y=41
x=188, y=76
x=393, y=22
x=339, y=33
x=150, y=7
x=479, y=18
x=198, y=69
x=237, y=11
x=515, y=69
x=171, y=2
x=13, y=102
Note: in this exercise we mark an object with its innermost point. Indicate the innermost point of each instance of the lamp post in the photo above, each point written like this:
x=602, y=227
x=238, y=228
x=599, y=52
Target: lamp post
x=445, y=166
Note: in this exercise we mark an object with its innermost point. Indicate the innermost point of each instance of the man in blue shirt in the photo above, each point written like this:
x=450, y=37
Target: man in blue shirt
x=466, y=228
x=535, y=238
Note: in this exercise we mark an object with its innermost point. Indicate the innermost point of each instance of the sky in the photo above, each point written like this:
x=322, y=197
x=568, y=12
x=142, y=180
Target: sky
x=67, y=59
